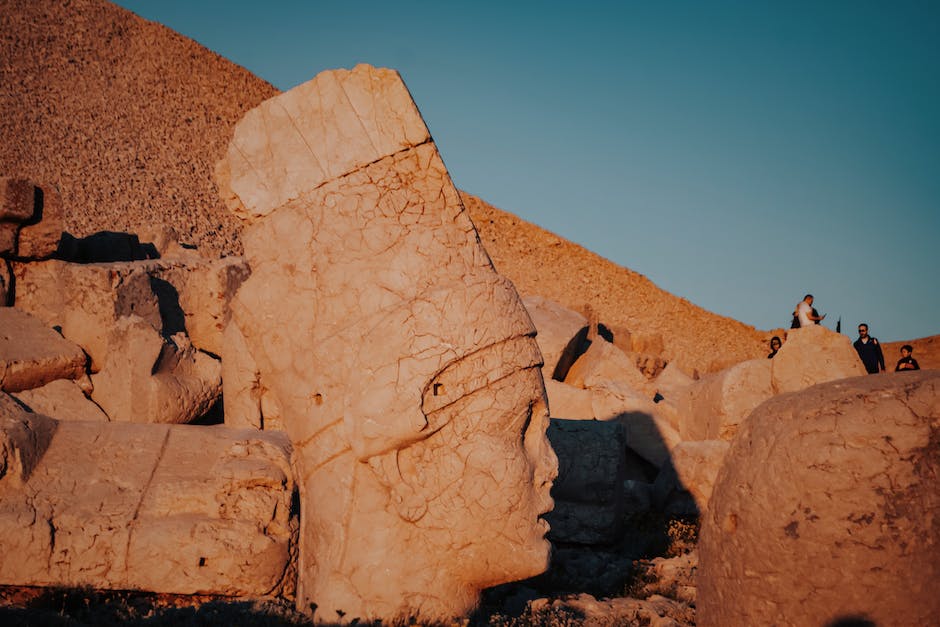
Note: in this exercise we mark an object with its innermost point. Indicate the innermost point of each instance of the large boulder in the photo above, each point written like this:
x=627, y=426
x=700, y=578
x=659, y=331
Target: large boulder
x=827, y=509
x=184, y=510
x=603, y=362
x=32, y=354
x=588, y=493
x=560, y=334
x=404, y=367
x=813, y=355
x=713, y=407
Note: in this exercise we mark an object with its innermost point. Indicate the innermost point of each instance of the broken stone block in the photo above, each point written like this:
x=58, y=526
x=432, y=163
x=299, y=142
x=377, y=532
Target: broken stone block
x=404, y=367
x=86, y=300
x=713, y=407
x=846, y=471
x=649, y=432
x=201, y=290
x=147, y=378
x=671, y=382
x=813, y=355
x=32, y=354
x=567, y=401
x=188, y=294
x=560, y=334
x=61, y=399
x=31, y=219
x=604, y=362
x=40, y=237
x=588, y=493
x=24, y=438
x=182, y=510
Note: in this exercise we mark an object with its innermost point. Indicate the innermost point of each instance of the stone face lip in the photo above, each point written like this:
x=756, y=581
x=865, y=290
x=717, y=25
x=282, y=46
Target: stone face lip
x=402, y=367
x=184, y=510
x=32, y=354
x=828, y=498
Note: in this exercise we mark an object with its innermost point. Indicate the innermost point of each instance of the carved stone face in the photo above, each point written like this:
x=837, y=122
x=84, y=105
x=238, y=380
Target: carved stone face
x=483, y=479
x=404, y=366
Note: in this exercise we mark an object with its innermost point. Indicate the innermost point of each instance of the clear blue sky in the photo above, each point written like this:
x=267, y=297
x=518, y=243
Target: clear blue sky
x=739, y=154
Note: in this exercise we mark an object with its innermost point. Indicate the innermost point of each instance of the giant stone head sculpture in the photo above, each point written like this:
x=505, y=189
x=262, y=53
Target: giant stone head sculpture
x=404, y=366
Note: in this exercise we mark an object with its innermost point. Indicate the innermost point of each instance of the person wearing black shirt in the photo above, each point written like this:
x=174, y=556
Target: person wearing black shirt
x=907, y=362
x=869, y=350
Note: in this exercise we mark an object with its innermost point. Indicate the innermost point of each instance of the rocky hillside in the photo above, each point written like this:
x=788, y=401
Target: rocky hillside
x=544, y=264
x=125, y=116
x=128, y=119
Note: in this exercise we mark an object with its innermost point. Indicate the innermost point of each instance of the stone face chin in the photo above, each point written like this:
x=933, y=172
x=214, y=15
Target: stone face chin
x=402, y=365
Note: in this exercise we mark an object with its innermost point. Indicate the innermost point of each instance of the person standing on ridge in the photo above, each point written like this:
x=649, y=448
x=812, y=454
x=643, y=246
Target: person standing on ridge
x=869, y=350
x=805, y=312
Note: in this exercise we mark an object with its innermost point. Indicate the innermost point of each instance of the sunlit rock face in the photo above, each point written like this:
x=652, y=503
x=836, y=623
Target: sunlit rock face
x=827, y=509
x=403, y=366
x=166, y=508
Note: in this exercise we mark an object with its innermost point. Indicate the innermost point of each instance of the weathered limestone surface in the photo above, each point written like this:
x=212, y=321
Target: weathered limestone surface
x=604, y=362
x=32, y=354
x=558, y=332
x=62, y=399
x=404, y=367
x=187, y=510
x=189, y=293
x=713, y=407
x=147, y=378
x=203, y=290
x=31, y=219
x=588, y=493
x=6, y=284
x=567, y=401
x=671, y=382
x=86, y=300
x=685, y=484
x=827, y=499
x=813, y=355
x=248, y=401
x=648, y=429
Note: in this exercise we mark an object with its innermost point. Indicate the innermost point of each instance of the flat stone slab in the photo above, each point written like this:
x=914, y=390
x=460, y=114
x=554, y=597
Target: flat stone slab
x=172, y=509
x=32, y=354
